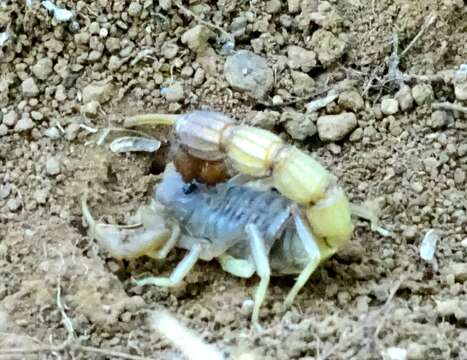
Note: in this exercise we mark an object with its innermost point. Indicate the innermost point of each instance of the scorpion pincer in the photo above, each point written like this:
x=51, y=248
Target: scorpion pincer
x=246, y=225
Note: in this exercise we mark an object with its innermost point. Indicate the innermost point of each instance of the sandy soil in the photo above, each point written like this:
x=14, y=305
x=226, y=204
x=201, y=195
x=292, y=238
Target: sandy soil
x=375, y=299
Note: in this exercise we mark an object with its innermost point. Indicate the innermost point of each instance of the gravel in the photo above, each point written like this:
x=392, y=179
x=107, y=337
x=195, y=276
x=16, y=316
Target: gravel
x=246, y=71
x=336, y=127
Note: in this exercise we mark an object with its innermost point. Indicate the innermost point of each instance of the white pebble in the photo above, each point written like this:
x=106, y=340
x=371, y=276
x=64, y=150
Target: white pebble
x=428, y=245
x=52, y=166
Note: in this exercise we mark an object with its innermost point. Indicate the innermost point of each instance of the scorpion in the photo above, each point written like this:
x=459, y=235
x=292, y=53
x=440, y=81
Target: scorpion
x=281, y=213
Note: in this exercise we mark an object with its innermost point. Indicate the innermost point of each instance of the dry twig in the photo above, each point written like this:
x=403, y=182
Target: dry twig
x=449, y=106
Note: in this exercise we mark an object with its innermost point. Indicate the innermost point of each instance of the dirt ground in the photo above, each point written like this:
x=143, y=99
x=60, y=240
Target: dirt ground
x=62, y=81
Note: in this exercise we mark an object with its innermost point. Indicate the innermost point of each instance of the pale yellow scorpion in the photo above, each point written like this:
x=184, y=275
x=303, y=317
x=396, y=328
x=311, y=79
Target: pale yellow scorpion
x=288, y=224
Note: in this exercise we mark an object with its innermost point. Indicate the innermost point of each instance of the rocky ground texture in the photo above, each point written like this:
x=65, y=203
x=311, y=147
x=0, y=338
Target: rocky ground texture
x=320, y=74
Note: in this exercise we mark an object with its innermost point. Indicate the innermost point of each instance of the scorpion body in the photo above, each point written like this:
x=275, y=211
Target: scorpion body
x=220, y=214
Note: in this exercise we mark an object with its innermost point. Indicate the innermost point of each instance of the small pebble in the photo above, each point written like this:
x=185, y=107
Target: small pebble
x=134, y=9
x=41, y=195
x=43, y=68
x=174, y=92
x=10, y=118
x=422, y=94
x=52, y=132
x=300, y=58
x=246, y=71
x=439, y=119
x=336, y=127
x=404, y=97
x=52, y=166
x=29, y=88
x=13, y=204
x=24, y=124
x=197, y=38
x=351, y=100
x=37, y=115
x=417, y=187
x=3, y=130
x=247, y=307
x=389, y=106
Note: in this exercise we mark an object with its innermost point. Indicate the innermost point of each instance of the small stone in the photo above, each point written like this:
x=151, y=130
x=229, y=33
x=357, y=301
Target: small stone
x=459, y=270
x=246, y=71
x=134, y=9
x=13, y=204
x=37, y=115
x=43, y=68
x=404, y=97
x=247, y=307
x=169, y=50
x=5, y=191
x=277, y=100
x=3, y=130
x=439, y=119
x=327, y=46
x=101, y=92
x=198, y=78
x=71, y=131
x=300, y=58
x=422, y=94
x=264, y=119
x=417, y=187
x=459, y=176
x=303, y=83
x=10, y=118
x=273, y=6
x=298, y=126
x=60, y=93
x=52, y=133
x=197, y=38
x=174, y=92
x=41, y=196
x=24, y=124
x=293, y=5
x=389, y=106
x=394, y=353
x=165, y=4
x=356, y=135
x=29, y=88
x=90, y=109
x=351, y=100
x=336, y=127
x=112, y=44
x=52, y=166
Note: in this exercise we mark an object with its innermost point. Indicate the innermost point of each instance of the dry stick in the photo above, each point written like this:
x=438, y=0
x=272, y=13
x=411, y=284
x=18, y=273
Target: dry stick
x=449, y=106
x=429, y=21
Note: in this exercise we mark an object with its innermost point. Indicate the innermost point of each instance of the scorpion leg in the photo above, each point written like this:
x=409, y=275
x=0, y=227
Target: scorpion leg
x=169, y=245
x=179, y=272
x=314, y=253
x=237, y=267
x=260, y=257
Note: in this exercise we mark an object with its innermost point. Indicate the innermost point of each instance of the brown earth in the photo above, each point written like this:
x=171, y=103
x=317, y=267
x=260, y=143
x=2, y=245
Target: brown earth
x=410, y=167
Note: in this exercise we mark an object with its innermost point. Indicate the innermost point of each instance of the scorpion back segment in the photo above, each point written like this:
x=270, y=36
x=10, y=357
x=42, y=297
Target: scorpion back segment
x=246, y=229
x=257, y=152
